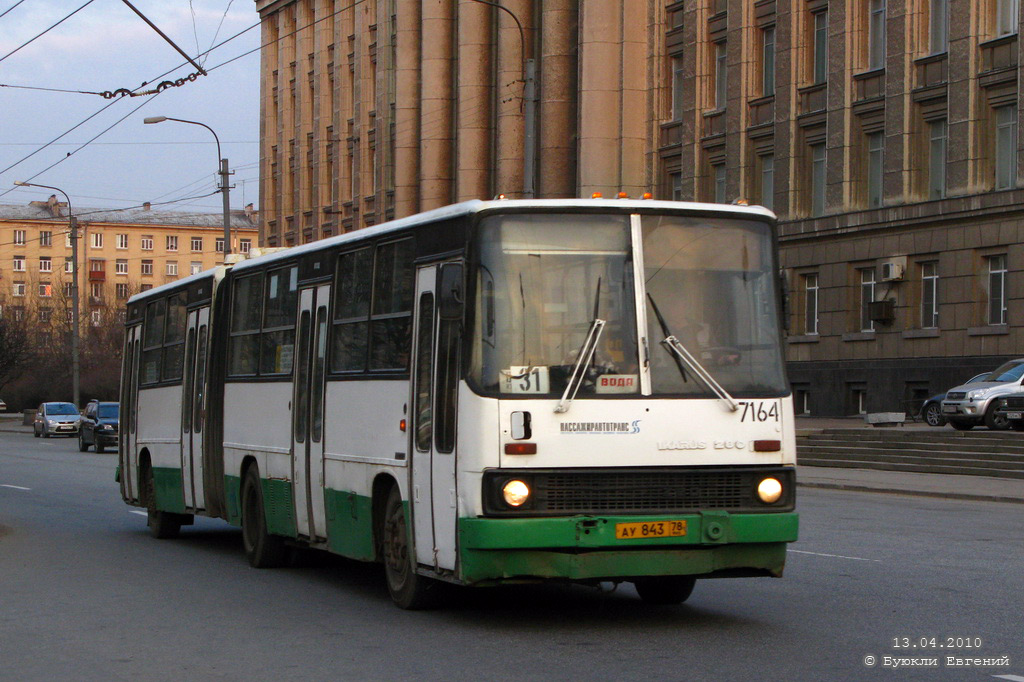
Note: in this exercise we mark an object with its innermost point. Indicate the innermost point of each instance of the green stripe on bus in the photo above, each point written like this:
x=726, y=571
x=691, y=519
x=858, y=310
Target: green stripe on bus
x=349, y=524
x=277, y=503
x=598, y=532
x=169, y=488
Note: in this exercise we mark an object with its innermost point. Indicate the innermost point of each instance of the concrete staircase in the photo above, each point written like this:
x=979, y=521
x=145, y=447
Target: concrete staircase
x=942, y=451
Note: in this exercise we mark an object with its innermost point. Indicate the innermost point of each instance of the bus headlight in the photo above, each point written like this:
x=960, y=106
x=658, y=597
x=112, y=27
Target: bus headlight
x=769, y=490
x=516, y=493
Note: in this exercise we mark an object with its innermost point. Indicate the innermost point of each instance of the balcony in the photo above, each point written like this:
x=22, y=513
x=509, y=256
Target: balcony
x=97, y=275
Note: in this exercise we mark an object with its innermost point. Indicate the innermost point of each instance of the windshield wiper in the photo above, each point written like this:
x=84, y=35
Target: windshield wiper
x=584, y=356
x=682, y=355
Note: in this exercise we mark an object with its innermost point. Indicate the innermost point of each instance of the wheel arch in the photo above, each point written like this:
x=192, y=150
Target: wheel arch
x=382, y=485
x=145, y=462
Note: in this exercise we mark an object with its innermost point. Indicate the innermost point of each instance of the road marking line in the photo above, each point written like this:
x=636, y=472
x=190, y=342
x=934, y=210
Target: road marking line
x=140, y=513
x=1012, y=678
x=837, y=556
x=13, y=487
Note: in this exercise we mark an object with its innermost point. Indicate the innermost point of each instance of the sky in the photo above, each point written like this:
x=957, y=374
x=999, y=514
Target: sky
x=105, y=47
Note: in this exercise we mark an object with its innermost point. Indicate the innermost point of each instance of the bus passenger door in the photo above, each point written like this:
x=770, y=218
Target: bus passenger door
x=433, y=460
x=193, y=394
x=310, y=365
x=129, y=411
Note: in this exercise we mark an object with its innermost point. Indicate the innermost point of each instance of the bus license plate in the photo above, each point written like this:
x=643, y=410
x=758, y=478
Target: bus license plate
x=650, y=529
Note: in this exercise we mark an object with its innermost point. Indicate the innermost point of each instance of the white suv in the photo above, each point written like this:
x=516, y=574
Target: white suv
x=968, y=405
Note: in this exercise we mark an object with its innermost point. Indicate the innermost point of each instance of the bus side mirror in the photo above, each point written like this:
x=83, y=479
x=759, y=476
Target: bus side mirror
x=451, y=293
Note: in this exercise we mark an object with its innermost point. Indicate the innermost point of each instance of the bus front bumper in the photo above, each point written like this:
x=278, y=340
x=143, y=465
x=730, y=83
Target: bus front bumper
x=586, y=547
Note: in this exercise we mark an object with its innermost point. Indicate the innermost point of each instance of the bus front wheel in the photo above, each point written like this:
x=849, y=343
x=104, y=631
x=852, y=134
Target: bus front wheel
x=262, y=549
x=665, y=589
x=408, y=589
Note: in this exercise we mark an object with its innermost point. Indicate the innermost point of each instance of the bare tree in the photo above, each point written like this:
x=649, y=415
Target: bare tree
x=15, y=347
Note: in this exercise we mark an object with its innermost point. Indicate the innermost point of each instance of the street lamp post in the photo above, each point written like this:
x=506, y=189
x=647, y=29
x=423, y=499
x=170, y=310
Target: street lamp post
x=223, y=172
x=73, y=224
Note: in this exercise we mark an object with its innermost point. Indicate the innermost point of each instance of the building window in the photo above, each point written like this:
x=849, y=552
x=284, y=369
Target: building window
x=69, y=289
x=876, y=34
x=997, y=289
x=677, y=186
x=195, y=268
x=818, y=179
x=146, y=242
x=172, y=242
x=67, y=240
x=96, y=316
x=96, y=291
x=767, y=163
x=121, y=291
x=678, y=80
x=938, y=26
x=19, y=237
x=69, y=264
x=244, y=245
x=96, y=265
x=768, y=61
x=45, y=315
x=45, y=264
x=1006, y=17
x=45, y=289
x=219, y=245
x=720, y=188
x=122, y=241
x=45, y=238
x=1006, y=147
x=721, y=75
x=145, y=287
x=172, y=268
x=121, y=266
x=937, y=159
x=810, y=303
x=96, y=240
x=19, y=264
x=147, y=267
x=876, y=150
x=867, y=297
x=820, y=47
x=930, y=295
x=19, y=289
x=197, y=243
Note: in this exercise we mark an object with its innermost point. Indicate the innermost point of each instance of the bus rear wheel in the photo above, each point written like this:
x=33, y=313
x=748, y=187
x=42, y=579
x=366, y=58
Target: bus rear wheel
x=665, y=589
x=162, y=525
x=408, y=589
x=262, y=549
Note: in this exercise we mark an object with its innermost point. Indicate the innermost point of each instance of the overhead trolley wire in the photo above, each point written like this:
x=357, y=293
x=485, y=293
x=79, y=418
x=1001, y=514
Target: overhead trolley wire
x=87, y=3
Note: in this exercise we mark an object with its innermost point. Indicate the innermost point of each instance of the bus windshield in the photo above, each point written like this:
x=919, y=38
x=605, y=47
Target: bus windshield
x=542, y=280
x=709, y=283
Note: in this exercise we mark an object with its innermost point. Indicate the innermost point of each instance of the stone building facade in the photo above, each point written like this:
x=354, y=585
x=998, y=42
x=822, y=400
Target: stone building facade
x=882, y=132
x=120, y=252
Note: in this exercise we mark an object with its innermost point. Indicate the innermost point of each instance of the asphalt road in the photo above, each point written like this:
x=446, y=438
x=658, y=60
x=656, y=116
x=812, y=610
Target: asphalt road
x=87, y=594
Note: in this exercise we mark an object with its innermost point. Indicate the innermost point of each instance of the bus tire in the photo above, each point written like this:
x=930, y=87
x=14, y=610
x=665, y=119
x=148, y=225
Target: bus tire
x=162, y=525
x=665, y=589
x=408, y=589
x=262, y=549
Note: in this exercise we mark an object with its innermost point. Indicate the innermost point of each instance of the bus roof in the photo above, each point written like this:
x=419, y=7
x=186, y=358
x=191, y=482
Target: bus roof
x=478, y=206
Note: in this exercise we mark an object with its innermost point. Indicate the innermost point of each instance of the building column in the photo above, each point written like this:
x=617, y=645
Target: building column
x=436, y=104
x=600, y=97
x=473, y=139
x=557, y=120
x=407, y=108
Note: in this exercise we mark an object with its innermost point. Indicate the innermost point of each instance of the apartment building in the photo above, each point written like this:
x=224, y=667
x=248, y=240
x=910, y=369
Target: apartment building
x=119, y=253
x=882, y=132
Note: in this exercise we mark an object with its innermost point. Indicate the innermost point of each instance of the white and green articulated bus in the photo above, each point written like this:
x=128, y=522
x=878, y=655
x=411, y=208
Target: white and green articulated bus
x=495, y=391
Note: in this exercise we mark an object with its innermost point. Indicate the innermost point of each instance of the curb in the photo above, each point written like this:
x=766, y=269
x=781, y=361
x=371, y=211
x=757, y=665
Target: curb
x=917, y=493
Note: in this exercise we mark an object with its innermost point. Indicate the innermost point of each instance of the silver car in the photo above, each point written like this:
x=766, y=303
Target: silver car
x=967, y=406
x=56, y=419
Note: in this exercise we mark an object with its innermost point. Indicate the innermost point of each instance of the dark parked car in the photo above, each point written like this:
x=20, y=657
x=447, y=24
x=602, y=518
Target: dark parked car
x=56, y=419
x=931, y=411
x=99, y=425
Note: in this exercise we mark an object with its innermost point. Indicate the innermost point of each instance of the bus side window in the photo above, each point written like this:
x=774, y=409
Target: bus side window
x=424, y=369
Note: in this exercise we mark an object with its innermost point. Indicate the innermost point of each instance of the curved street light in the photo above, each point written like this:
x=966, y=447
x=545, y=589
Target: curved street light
x=223, y=172
x=73, y=224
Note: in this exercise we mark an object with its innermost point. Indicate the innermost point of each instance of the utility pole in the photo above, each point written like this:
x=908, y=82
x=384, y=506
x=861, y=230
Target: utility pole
x=224, y=188
x=74, y=308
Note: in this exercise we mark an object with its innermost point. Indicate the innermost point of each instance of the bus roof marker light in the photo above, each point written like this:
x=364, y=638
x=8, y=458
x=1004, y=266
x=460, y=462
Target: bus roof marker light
x=623, y=195
x=596, y=195
x=646, y=195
